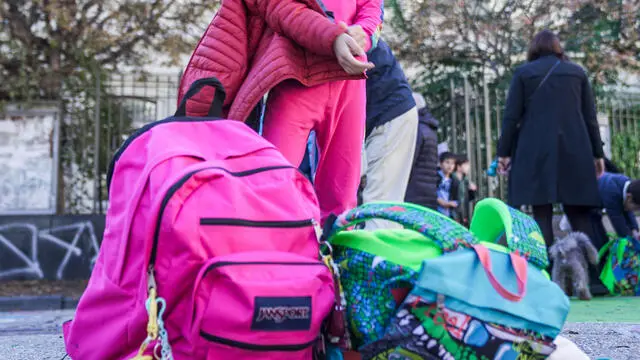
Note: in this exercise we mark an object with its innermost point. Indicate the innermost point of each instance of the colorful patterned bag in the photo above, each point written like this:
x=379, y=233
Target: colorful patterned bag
x=461, y=309
x=378, y=269
x=496, y=222
x=622, y=268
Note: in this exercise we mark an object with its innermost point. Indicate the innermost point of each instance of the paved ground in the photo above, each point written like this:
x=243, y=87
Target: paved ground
x=37, y=335
x=32, y=335
x=606, y=340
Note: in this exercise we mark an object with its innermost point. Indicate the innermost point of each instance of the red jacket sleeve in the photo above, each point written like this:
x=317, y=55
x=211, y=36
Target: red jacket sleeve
x=297, y=21
x=369, y=17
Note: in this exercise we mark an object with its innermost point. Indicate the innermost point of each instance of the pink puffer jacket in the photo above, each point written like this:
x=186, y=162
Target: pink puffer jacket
x=252, y=45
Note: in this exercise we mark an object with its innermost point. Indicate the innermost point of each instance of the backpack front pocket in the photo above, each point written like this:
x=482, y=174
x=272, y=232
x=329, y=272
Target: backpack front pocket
x=267, y=305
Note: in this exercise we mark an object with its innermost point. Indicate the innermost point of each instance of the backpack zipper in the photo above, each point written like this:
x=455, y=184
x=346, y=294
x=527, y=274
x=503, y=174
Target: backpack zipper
x=247, y=346
x=290, y=263
x=178, y=184
x=253, y=223
x=253, y=347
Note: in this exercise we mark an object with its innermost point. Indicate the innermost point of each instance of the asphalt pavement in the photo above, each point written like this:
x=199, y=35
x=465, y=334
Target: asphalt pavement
x=38, y=336
x=33, y=335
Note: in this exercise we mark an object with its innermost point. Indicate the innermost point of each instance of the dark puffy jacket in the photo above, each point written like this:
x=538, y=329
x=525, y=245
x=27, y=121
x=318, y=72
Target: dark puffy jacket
x=388, y=92
x=423, y=182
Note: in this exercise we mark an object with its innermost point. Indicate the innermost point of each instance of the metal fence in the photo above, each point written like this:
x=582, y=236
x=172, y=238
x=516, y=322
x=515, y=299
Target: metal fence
x=95, y=121
x=471, y=120
x=97, y=127
x=96, y=115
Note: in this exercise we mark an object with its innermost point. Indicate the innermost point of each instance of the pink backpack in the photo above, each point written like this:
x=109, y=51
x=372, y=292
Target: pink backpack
x=210, y=249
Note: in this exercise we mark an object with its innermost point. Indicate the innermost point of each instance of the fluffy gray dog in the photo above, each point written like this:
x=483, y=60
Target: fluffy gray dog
x=570, y=265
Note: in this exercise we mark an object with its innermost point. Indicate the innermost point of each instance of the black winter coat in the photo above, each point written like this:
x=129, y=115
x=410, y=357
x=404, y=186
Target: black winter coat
x=552, y=136
x=423, y=182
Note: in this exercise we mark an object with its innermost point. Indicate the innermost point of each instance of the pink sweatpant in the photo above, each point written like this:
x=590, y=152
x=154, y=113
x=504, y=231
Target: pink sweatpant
x=336, y=111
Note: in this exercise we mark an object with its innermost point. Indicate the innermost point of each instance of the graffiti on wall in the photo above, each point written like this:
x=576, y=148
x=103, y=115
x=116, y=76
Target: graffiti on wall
x=49, y=247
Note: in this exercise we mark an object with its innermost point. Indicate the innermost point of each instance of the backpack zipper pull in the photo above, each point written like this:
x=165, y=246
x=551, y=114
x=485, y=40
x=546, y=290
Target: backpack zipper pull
x=151, y=279
x=152, y=305
x=318, y=229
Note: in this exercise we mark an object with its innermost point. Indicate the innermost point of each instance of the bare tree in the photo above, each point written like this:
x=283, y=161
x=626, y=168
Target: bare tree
x=45, y=41
x=66, y=50
x=604, y=35
x=478, y=36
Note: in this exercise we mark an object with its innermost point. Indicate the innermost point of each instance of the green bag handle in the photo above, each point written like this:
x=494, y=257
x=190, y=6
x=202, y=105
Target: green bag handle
x=605, y=249
x=443, y=231
x=438, y=229
x=606, y=276
x=400, y=246
x=493, y=218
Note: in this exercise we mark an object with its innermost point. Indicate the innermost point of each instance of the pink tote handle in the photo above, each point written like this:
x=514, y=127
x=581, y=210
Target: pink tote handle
x=519, y=265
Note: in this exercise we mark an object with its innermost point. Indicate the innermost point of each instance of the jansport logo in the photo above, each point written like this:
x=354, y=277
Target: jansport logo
x=282, y=313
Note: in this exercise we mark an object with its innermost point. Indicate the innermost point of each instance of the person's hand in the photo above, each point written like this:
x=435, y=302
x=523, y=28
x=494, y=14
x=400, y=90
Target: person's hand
x=504, y=165
x=356, y=32
x=453, y=204
x=636, y=234
x=599, y=167
x=472, y=186
x=345, y=47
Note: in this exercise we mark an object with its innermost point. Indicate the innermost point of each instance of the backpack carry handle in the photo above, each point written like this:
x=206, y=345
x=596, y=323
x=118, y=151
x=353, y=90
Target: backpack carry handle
x=215, y=110
x=446, y=233
x=519, y=266
x=493, y=219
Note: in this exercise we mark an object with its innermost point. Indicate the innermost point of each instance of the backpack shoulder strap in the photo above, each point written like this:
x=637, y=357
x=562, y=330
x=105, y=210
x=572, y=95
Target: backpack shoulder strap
x=445, y=232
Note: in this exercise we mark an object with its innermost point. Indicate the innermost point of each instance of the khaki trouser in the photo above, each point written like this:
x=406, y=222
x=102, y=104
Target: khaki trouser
x=387, y=159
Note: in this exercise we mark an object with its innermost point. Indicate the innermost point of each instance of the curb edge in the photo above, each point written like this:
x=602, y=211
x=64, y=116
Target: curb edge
x=37, y=303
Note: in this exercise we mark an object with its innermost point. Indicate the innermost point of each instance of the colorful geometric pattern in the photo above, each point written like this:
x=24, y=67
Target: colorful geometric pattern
x=421, y=330
x=625, y=266
x=527, y=239
x=369, y=283
x=445, y=232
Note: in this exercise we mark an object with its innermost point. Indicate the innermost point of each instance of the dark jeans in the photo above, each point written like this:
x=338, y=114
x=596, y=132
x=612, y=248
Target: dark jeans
x=582, y=218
